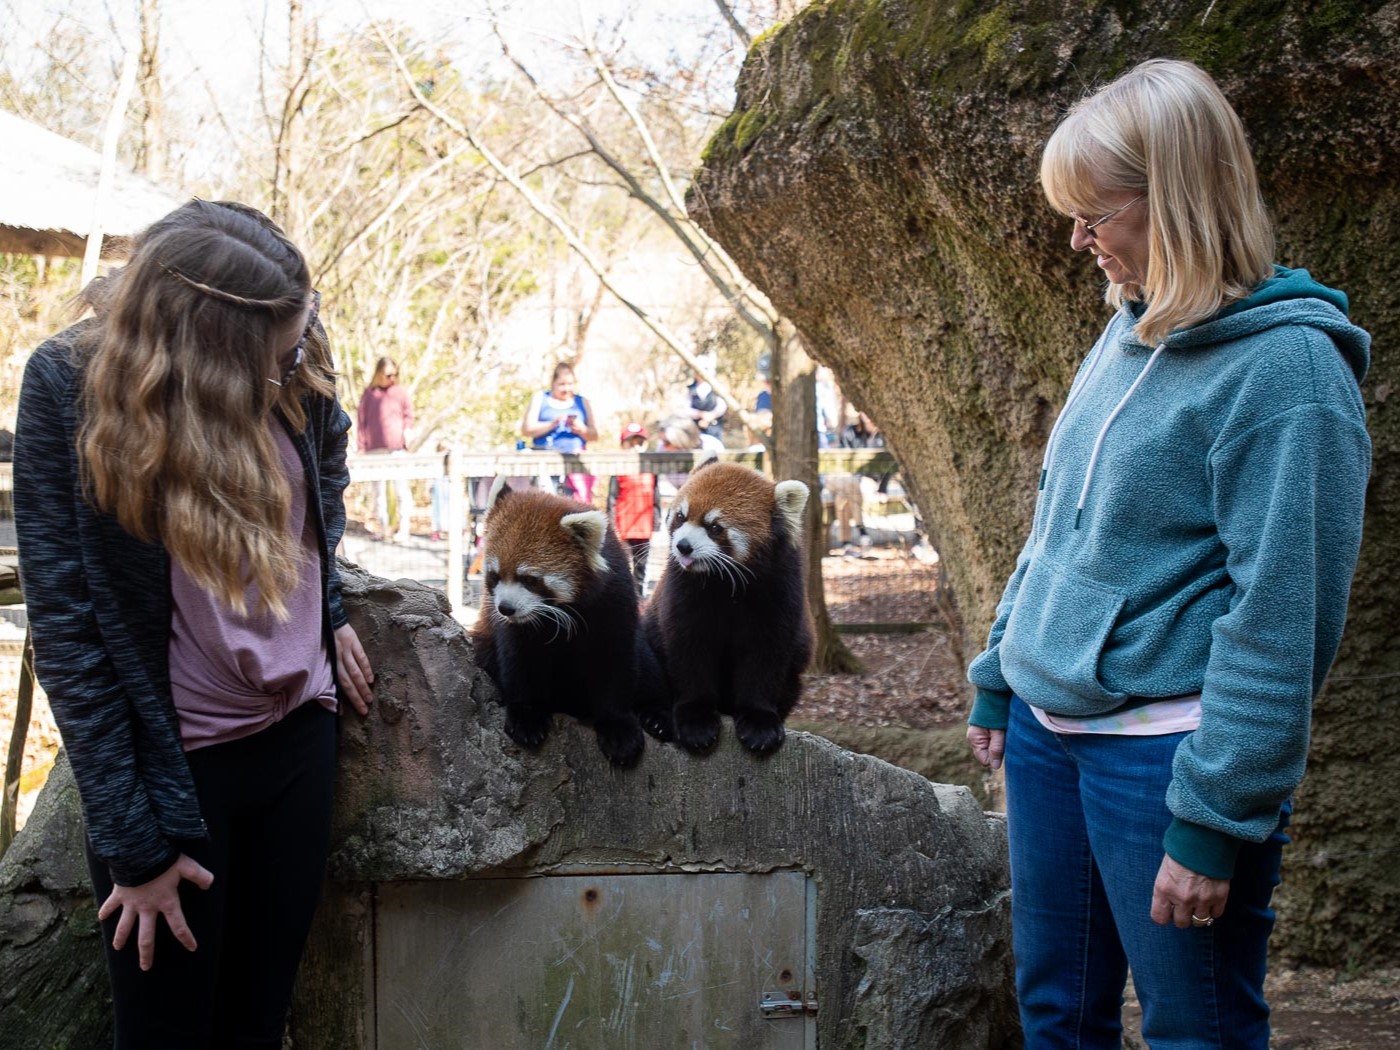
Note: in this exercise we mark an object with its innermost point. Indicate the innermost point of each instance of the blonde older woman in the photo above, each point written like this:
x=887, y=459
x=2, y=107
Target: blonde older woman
x=1150, y=673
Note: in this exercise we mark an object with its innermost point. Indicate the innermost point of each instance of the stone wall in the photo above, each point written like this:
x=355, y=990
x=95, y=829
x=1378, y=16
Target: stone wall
x=912, y=909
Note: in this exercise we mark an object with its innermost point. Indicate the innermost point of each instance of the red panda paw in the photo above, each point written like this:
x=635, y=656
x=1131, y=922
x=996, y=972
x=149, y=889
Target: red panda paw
x=659, y=725
x=621, y=740
x=762, y=733
x=527, y=728
x=697, y=727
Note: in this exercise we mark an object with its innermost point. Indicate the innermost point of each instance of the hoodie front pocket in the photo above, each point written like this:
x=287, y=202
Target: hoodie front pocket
x=1054, y=640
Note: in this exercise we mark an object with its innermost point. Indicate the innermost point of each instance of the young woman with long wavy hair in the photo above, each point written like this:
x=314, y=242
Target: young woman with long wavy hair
x=179, y=467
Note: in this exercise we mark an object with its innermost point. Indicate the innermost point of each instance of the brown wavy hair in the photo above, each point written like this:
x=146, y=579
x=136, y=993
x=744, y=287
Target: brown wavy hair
x=175, y=440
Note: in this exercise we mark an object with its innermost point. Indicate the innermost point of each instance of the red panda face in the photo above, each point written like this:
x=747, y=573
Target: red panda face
x=723, y=518
x=539, y=552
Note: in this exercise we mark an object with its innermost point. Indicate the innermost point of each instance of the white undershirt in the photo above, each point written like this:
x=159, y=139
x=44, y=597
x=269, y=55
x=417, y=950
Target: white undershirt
x=1177, y=714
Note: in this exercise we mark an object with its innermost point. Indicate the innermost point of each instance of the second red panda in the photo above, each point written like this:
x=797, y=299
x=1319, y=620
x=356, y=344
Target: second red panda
x=727, y=630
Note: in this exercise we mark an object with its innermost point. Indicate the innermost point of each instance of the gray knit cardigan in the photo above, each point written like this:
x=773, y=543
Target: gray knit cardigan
x=99, y=604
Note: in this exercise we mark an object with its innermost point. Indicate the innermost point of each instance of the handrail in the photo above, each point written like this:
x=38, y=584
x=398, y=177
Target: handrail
x=530, y=463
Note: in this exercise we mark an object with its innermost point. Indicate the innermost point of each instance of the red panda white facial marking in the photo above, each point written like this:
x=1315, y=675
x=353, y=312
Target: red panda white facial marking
x=707, y=544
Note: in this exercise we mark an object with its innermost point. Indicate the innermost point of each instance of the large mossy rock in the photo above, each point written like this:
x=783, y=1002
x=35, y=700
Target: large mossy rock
x=878, y=180
x=910, y=901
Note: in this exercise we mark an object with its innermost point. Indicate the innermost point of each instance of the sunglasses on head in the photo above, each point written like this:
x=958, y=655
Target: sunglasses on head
x=299, y=351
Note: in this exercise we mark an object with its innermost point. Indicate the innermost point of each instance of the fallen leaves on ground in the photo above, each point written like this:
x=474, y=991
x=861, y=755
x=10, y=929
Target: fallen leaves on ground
x=913, y=680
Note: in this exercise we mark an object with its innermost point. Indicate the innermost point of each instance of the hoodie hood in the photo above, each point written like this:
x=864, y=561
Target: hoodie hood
x=1288, y=297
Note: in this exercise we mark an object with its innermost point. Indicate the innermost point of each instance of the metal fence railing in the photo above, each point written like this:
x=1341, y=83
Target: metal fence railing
x=878, y=571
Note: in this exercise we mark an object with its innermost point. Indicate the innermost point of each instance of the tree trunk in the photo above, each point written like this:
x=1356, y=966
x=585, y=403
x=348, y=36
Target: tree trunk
x=151, y=145
x=287, y=136
x=795, y=457
x=878, y=181
x=14, y=759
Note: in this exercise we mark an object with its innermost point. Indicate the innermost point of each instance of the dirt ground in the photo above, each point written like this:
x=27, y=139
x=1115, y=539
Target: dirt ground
x=917, y=681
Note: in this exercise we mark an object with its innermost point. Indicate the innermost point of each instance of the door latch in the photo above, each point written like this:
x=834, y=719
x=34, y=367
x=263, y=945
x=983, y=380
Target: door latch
x=773, y=1006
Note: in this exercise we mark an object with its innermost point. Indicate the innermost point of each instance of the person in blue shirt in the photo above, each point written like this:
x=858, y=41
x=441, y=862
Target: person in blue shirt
x=1149, y=678
x=560, y=419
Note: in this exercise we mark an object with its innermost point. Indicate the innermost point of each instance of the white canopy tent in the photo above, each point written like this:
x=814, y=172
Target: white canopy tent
x=48, y=188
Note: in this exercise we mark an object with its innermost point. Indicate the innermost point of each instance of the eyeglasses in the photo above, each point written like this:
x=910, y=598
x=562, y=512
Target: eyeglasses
x=299, y=351
x=1089, y=227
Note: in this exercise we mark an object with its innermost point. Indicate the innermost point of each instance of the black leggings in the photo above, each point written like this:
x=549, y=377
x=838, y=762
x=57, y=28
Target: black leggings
x=267, y=801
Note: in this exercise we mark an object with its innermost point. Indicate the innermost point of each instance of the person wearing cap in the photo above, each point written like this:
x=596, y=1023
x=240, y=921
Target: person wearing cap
x=634, y=507
x=703, y=405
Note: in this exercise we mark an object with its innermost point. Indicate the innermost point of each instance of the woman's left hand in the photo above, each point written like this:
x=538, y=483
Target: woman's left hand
x=1180, y=895
x=352, y=669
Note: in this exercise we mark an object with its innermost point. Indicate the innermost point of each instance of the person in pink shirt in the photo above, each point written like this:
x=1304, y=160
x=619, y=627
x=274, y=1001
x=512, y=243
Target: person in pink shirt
x=385, y=424
x=179, y=467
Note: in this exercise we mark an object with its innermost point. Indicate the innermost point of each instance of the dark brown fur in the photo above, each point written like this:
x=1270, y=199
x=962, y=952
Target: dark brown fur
x=577, y=654
x=729, y=634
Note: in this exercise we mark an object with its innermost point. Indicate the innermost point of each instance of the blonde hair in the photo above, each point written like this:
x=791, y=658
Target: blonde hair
x=174, y=440
x=1165, y=130
x=680, y=433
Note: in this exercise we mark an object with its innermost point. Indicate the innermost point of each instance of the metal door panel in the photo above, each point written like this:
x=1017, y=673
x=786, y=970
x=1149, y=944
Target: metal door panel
x=612, y=962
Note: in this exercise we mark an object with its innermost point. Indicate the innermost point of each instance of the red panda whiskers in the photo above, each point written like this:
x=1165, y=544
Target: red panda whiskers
x=707, y=653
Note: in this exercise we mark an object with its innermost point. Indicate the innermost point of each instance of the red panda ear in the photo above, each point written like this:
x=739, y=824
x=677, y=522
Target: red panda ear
x=588, y=528
x=499, y=490
x=792, y=501
x=708, y=461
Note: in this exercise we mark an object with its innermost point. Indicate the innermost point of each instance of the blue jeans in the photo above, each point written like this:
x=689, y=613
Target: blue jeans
x=1086, y=814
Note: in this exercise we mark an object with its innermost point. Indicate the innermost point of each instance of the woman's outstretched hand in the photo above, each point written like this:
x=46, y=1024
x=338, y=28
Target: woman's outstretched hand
x=142, y=905
x=988, y=745
x=352, y=669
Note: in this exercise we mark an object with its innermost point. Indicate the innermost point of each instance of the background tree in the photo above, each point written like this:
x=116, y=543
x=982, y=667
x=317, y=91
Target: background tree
x=637, y=148
x=151, y=150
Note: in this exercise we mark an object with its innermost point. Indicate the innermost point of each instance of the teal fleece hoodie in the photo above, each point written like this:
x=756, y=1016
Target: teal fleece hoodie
x=1196, y=532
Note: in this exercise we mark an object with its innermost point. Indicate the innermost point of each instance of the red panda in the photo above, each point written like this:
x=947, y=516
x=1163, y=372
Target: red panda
x=558, y=624
x=727, y=630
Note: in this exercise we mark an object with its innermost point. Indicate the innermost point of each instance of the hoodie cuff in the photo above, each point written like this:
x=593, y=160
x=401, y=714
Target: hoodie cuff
x=1204, y=850
x=991, y=709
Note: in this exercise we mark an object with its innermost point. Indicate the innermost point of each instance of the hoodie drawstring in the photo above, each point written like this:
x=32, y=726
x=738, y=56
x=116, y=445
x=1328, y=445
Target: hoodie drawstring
x=1074, y=393
x=1098, y=442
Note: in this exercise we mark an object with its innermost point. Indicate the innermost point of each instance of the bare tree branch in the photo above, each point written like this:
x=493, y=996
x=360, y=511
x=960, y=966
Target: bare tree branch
x=736, y=291
x=734, y=23
x=736, y=277
x=570, y=235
